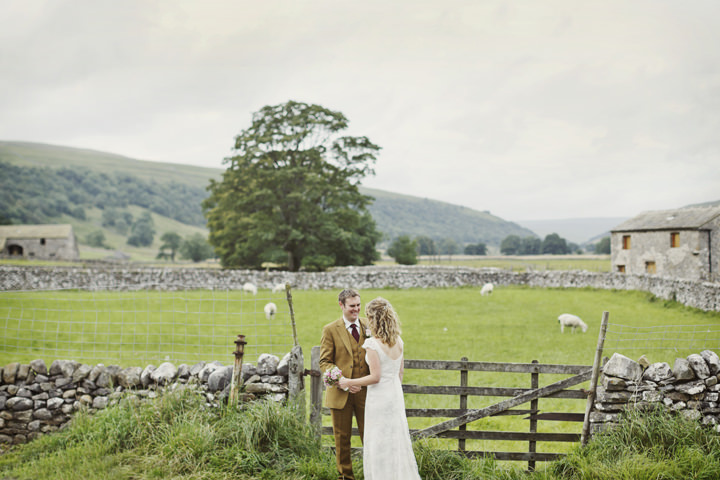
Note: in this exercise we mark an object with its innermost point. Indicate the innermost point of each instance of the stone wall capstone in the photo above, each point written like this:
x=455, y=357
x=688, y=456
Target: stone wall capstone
x=701, y=295
x=35, y=399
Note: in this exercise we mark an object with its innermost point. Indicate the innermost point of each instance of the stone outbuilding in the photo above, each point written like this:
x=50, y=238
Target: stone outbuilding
x=682, y=243
x=43, y=242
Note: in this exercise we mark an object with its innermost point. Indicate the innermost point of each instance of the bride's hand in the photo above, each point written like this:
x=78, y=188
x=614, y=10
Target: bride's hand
x=343, y=383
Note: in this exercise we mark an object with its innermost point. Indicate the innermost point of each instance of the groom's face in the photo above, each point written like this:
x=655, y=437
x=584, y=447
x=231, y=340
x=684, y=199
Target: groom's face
x=351, y=308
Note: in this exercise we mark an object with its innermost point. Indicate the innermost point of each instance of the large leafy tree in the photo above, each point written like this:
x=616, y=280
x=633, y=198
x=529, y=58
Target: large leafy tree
x=476, y=249
x=554, y=244
x=510, y=245
x=196, y=248
x=171, y=241
x=426, y=245
x=530, y=246
x=290, y=193
x=142, y=232
x=403, y=250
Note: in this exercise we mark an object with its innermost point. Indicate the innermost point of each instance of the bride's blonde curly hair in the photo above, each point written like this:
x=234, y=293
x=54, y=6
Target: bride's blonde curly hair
x=384, y=322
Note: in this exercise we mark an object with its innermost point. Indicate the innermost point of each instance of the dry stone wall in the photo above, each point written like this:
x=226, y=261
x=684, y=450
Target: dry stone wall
x=702, y=295
x=35, y=399
x=690, y=387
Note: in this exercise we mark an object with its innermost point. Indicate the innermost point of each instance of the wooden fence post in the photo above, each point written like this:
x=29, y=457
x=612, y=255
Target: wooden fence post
x=463, y=402
x=236, y=379
x=594, y=379
x=532, y=447
x=292, y=313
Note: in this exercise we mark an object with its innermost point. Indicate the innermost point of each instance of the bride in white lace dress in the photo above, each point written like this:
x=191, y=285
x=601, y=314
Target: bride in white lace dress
x=387, y=450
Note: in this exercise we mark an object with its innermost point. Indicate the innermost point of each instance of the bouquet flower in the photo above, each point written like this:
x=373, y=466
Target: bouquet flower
x=332, y=376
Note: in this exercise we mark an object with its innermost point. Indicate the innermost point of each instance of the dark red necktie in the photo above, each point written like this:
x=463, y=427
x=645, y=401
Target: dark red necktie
x=355, y=333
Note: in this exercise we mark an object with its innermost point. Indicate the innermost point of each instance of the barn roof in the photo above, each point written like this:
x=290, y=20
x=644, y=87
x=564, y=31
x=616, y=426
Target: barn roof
x=678, y=219
x=35, y=231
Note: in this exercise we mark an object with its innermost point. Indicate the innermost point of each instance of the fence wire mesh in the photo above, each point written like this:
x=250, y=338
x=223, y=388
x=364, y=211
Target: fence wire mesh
x=134, y=327
x=664, y=342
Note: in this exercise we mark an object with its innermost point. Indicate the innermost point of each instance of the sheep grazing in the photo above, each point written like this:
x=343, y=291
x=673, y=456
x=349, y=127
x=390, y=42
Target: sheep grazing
x=270, y=310
x=572, y=321
x=278, y=287
x=487, y=289
x=250, y=288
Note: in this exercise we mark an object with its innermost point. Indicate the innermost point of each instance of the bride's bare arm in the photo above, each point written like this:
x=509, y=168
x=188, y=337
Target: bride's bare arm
x=402, y=368
x=374, y=363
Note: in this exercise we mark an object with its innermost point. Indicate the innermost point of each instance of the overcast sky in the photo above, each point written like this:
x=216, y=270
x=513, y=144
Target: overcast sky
x=528, y=109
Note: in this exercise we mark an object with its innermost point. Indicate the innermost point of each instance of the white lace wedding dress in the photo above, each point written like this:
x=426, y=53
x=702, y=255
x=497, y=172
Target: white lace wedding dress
x=387, y=450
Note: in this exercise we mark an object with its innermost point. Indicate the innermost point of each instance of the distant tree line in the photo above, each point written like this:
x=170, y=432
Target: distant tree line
x=406, y=250
x=40, y=194
x=553, y=244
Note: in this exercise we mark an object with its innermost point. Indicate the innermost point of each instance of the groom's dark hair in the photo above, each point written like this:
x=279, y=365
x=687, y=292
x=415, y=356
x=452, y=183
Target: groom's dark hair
x=347, y=293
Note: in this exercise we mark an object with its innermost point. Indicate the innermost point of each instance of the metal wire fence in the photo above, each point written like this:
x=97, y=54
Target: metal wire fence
x=134, y=327
x=664, y=342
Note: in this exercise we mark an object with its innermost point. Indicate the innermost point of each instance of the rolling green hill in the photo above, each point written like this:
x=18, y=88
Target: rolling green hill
x=167, y=190
x=41, y=155
x=397, y=214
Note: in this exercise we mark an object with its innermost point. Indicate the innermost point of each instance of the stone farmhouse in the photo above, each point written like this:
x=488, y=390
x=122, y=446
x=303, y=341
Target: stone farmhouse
x=43, y=242
x=683, y=243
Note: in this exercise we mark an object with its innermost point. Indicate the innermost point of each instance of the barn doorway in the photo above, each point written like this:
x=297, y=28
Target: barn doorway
x=15, y=250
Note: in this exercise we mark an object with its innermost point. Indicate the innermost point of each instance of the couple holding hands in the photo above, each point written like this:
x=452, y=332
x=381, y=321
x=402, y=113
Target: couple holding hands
x=369, y=353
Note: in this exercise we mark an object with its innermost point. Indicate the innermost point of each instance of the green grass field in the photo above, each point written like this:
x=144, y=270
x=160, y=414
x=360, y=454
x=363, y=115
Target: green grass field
x=515, y=324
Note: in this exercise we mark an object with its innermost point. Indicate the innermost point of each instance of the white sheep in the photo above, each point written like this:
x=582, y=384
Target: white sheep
x=487, y=289
x=278, y=287
x=250, y=288
x=270, y=310
x=572, y=321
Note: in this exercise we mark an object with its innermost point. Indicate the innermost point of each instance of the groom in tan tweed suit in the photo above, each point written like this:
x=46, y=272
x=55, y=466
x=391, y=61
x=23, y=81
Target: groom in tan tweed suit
x=340, y=348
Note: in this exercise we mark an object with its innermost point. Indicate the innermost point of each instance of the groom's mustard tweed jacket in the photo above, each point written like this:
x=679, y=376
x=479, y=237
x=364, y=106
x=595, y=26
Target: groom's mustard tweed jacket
x=337, y=347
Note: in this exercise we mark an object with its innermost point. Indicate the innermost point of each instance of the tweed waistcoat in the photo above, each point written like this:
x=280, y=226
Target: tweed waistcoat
x=360, y=367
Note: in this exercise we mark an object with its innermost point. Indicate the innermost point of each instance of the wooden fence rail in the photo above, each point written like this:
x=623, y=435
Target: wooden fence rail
x=456, y=427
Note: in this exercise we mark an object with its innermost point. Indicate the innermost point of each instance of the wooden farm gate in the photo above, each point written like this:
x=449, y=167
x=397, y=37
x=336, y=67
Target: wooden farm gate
x=455, y=428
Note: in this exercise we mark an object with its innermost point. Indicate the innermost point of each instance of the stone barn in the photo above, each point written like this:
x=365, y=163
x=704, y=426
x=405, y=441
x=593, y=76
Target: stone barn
x=682, y=243
x=42, y=242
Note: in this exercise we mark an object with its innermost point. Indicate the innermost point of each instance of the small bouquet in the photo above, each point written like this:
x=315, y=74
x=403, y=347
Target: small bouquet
x=332, y=377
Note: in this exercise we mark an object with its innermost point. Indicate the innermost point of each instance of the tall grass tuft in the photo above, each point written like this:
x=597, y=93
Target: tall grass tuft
x=647, y=444
x=434, y=463
x=176, y=436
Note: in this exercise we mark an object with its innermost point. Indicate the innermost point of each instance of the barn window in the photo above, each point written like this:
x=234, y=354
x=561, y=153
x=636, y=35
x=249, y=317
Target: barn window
x=42, y=241
x=621, y=268
x=674, y=239
x=626, y=242
x=650, y=268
